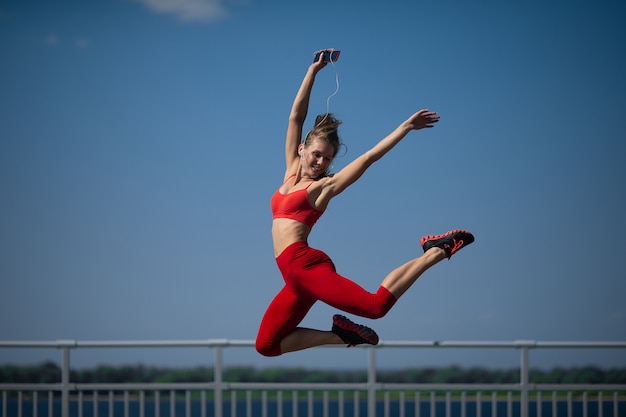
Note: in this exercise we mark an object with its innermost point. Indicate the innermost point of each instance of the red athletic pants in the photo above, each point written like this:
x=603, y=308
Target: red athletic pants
x=310, y=276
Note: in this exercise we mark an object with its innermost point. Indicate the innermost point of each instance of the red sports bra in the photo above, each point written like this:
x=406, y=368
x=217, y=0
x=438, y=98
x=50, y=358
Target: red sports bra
x=295, y=206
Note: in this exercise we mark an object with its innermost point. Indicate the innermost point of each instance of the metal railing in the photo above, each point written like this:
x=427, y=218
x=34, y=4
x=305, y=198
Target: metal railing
x=267, y=398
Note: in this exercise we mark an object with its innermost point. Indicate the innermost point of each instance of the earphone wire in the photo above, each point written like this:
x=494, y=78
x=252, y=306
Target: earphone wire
x=330, y=96
x=336, y=89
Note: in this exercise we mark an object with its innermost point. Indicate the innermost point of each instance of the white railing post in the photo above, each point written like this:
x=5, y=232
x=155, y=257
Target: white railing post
x=371, y=382
x=65, y=345
x=218, y=379
x=524, y=378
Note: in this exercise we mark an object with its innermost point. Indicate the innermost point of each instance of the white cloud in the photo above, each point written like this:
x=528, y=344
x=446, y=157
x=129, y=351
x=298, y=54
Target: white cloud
x=188, y=10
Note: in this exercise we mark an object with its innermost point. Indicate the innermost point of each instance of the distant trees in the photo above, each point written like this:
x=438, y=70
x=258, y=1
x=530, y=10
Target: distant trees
x=49, y=372
x=585, y=375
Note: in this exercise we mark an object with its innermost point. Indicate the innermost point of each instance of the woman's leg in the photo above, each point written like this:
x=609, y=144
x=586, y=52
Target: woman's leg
x=400, y=279
x=318, y=279
x=303, y=338
x=279, y=333
x=323, y=283
x=436, y=248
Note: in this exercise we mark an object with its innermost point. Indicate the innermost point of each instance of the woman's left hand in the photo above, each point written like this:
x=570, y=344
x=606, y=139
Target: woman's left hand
x=423, y=119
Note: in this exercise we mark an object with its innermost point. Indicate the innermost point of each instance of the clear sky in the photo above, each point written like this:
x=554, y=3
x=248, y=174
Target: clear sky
x=140, y=142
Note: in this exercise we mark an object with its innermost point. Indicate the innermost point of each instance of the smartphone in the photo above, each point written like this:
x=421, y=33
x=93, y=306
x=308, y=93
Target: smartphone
x=328, y=56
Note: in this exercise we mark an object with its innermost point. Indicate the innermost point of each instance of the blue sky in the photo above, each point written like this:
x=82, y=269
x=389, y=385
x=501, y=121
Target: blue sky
x=140, y=142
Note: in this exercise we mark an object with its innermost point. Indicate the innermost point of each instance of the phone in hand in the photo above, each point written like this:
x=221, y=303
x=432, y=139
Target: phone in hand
x=332, y=55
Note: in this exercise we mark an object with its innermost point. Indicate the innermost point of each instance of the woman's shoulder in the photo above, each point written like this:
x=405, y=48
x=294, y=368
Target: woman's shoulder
x=288, y=176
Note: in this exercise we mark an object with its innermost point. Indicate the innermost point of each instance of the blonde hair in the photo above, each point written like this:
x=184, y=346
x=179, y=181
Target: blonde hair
x=325, y=128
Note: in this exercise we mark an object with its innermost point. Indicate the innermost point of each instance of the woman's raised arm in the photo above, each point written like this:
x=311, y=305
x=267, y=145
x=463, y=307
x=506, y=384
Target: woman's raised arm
x=298, y=114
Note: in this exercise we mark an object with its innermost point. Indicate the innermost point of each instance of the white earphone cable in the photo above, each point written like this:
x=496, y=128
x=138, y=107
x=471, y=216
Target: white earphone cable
x=332, y=95
x=328, y=99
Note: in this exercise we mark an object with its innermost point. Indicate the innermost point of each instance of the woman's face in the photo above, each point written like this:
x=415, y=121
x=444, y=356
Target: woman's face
x=316, y=156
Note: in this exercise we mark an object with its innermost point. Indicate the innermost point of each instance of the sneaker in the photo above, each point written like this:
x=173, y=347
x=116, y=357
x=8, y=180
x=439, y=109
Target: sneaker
x=451, y=241
x=351, y=333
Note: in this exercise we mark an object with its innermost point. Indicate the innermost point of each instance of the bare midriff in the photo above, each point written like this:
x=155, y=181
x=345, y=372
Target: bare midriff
x=286, y=232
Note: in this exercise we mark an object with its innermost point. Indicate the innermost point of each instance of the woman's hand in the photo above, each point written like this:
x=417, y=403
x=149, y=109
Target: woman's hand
x=422, y=119
x=320, y=63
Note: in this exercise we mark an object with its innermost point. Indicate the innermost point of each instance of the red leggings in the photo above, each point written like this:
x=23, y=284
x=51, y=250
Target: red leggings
x=310, y=276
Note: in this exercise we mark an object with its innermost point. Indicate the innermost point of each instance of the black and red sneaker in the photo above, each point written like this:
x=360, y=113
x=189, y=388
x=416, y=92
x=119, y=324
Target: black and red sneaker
x=450, y=242
x=351, y=333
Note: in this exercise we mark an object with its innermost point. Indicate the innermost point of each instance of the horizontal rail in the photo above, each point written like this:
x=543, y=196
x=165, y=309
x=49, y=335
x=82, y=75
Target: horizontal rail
x=199, y=386
x=125, y=343
x=209, y=343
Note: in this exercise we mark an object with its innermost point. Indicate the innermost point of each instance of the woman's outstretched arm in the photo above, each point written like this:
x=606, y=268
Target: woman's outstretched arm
x=353, y=171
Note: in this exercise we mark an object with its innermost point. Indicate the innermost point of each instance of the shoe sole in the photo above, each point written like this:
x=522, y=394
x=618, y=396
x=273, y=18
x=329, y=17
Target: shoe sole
x=364, y=332
x=469, y=238
x=425, y=239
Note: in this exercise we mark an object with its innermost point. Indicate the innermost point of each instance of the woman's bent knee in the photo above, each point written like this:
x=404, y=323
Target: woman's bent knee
x=267, y=349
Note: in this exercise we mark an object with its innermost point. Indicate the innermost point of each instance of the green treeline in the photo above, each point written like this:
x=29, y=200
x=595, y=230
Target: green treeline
x=49, y=372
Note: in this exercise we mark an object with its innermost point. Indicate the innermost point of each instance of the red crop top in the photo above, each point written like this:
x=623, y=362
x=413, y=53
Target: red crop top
x=295, y=206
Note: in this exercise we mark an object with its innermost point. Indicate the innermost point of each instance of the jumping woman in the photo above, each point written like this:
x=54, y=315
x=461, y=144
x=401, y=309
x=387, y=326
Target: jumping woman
x=309, y=273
